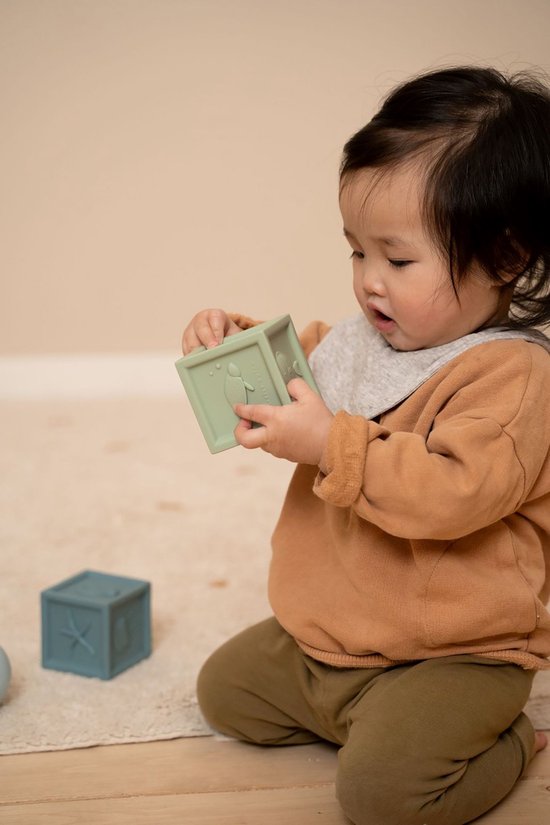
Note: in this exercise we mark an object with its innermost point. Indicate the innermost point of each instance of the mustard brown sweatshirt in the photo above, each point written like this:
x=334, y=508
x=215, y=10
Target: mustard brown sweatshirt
x=425, y=532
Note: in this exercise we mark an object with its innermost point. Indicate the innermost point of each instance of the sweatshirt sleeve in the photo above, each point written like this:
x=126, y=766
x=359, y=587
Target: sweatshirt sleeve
x=475, y=467
x=312, y=335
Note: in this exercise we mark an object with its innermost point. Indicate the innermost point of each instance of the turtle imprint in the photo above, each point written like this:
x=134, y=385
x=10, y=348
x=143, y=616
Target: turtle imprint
x=236, y=389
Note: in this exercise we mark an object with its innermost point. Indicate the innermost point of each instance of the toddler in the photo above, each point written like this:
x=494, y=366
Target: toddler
x=410, y=566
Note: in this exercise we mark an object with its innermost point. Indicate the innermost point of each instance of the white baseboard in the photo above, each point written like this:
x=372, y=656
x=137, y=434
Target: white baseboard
x=89, y=376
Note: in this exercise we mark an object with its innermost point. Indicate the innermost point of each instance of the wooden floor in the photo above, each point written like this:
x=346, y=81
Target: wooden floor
x=206, y=781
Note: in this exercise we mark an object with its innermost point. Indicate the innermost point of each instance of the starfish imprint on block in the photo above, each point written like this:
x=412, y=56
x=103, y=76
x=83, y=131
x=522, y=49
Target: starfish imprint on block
x=77, y=635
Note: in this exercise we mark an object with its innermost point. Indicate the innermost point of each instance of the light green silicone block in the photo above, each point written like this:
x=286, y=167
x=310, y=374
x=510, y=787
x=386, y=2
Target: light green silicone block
x=251, y=367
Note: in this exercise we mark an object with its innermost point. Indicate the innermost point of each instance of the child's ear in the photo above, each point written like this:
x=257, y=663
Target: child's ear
x=508, y=277
x=513, y=258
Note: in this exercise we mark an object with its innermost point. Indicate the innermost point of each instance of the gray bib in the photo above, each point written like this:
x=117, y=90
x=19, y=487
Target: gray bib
x=357, y=371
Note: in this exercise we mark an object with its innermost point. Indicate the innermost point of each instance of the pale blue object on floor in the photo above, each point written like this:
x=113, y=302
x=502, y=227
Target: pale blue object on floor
x=5, y=674
x=251, y=367
x=96, y=624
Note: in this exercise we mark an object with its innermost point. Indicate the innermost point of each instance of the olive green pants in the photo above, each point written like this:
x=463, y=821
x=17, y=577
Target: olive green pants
x=437, y=741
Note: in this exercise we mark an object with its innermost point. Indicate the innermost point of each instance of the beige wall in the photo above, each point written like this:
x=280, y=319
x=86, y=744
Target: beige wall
x=158, y=156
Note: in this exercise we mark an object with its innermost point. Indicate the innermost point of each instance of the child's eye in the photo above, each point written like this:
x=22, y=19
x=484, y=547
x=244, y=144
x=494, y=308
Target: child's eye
x=398, y=264
x=356, y=254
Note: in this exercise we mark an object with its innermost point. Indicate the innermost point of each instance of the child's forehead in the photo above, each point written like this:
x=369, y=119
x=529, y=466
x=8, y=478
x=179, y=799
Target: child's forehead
x=386, y=201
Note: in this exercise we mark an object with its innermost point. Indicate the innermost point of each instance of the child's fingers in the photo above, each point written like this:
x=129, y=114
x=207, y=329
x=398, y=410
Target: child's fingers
x=217, y=324
x=248, y=436
x=189, y=341
x=298, y=389
x=259, y=413
x=209, y=329
x=243, y=425
x=206, y=329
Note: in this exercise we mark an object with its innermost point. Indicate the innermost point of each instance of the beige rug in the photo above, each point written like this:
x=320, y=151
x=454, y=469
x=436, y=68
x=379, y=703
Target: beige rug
x=128, y=487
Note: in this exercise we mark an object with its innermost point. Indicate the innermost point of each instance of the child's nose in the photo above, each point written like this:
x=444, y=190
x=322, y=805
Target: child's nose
x=373, y=283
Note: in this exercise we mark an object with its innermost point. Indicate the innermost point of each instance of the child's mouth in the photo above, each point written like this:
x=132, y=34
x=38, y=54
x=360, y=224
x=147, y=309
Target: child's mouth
x=381, y=321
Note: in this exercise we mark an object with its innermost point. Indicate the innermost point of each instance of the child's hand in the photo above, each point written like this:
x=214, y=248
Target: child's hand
x=207, y=328
x=297, y=431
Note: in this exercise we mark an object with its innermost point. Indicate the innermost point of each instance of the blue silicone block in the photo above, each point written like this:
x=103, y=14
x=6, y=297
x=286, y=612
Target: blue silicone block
x=251, y=367
x=96, y=624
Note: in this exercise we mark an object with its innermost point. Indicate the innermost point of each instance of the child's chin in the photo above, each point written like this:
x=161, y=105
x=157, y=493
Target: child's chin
x=399, y=342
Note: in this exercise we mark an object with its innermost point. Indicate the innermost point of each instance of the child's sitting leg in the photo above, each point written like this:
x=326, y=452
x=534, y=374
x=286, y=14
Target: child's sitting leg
x=440, y=741
x=254, y=688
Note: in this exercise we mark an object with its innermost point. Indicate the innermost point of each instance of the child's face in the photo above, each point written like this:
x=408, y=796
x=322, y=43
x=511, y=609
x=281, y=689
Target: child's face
x=400, y=280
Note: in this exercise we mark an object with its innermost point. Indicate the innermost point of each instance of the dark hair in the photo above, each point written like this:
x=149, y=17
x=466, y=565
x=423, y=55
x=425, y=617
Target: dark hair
x=484, y=139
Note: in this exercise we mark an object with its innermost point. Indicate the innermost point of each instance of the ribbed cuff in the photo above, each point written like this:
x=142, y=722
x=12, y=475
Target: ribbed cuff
x=342, y=464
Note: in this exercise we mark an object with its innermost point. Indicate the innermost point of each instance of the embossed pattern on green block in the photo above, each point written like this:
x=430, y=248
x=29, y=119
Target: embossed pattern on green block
x=96, y=624
x=251, y=367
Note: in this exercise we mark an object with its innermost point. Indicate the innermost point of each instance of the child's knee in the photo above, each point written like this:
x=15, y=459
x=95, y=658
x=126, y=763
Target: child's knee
x=214, y=694
x=226, y=695
x=371, y=793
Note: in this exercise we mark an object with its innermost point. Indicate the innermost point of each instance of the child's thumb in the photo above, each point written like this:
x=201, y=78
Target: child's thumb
x=298, y=388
